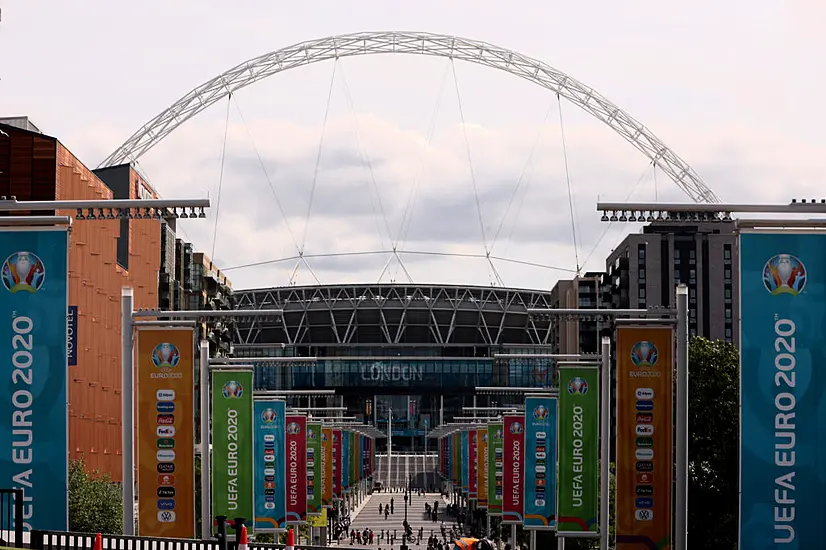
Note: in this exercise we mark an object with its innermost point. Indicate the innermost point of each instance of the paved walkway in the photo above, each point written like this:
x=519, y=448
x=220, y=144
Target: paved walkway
x=368, y=517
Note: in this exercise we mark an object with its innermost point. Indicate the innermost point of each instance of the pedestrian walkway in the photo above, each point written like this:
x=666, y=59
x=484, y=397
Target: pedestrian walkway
x=369, y=518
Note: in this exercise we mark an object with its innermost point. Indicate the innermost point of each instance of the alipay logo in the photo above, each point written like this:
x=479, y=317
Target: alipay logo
x=165, y=395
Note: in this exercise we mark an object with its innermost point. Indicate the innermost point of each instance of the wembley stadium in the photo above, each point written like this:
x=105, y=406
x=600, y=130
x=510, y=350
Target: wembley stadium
x=420, y=350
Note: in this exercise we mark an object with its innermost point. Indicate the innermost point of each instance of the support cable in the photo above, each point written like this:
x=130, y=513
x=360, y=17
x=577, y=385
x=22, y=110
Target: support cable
x=266, y=173
x=318, y=158
x=525, y=170
x=220, y=178
x=407, y=215
x=609, y=224
x=366, y=162
x=473, y=175
x=410, y=252
x=568, y=180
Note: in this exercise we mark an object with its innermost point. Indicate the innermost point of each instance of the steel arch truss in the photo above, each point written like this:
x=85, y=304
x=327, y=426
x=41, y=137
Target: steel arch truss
x=418, y=43
x=387, y=315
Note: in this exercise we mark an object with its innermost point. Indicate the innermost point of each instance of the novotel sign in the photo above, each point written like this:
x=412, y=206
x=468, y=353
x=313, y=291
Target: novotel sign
x=381, y=372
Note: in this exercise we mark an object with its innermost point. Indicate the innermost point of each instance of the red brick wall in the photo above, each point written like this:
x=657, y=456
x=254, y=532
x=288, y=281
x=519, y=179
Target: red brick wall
x=95, y=283
x=38, y=167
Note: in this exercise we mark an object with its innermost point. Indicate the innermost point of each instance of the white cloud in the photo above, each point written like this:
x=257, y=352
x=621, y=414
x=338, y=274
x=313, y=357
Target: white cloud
x=711, y=81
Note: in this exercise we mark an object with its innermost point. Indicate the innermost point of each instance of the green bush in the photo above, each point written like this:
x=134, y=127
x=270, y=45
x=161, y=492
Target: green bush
x=95, y=502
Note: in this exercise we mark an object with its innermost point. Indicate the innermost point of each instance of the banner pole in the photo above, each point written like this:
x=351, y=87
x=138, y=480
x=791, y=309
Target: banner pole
x=681, y=519
x=533, y=539
x=127, y=397
x=206, y=462
x=605, y=443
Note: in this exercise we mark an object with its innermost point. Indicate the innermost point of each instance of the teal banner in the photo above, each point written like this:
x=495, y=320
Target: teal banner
x=33, y=438
x=782, y=390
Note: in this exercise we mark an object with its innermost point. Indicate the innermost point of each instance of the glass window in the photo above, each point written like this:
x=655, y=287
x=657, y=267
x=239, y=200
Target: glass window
x=727, y=252
x=642, y=273
x=642, y=294
x=728, y=293
x=692, y=253
x=641, y=251
x=728, y=313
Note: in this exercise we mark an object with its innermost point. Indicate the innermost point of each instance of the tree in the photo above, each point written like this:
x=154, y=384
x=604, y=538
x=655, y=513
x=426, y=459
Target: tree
x=713, y=458
x=95, y=502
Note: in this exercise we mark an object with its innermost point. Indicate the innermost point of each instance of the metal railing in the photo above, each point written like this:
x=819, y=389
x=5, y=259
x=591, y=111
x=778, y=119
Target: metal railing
x=11, y=518
x=60, y=540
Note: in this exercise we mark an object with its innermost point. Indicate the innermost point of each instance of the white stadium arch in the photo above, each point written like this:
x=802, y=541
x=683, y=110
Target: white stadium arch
x=417, y=43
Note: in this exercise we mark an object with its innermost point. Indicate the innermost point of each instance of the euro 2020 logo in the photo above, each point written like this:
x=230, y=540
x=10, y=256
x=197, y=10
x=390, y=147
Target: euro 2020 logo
x=517, y=428
x=293, y=428
x=165, y=356
x=23, y=271
x=269, y=416
x=644, y=354
x=233, y=390
x=310, y=433
x=577, y=386
x=540, y=413
x=784, y=274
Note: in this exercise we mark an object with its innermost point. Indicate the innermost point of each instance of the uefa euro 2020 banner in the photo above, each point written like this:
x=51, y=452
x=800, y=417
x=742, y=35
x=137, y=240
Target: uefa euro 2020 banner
x=464, y=450
x=34, y=436
x=232, y=445
x=645, y=359
x=577, y=490
x=327, y=467
x=513, y=500
x=783, y=391
x=496, y=450
x=270, y=484
x=473, y=464
x=338, y=470
x=314, y=471
x=296, y=469
x=345, y=462
x=540, y=462
x=482, y=467
x=166, y=432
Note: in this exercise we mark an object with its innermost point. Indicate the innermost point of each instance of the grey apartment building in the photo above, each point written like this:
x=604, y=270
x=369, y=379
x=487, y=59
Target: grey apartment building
x=645, y=269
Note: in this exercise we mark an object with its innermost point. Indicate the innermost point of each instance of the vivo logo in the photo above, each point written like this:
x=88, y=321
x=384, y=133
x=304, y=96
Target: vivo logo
x=645, y=393
x=644, y=503
x=645, y=429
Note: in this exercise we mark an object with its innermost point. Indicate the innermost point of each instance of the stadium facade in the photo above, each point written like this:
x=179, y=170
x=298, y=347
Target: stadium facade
x=420, y=350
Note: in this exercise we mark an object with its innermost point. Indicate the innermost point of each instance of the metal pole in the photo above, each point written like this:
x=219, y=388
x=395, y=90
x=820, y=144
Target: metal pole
x=681, y=520
x=533, y=539
x=127, y=396
x=560, y=543
x=206, y=462
x=441, y=410
x=605, y=442
x=513, y=536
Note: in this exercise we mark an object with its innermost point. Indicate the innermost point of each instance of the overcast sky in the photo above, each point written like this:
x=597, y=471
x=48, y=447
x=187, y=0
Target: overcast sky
x=411, y=149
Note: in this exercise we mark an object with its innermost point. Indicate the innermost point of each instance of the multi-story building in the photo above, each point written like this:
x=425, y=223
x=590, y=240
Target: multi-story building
x=645, y=269
x=589, y=291
x=105, y=256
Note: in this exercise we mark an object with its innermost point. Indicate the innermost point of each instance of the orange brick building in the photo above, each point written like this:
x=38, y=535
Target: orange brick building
x=104, y=256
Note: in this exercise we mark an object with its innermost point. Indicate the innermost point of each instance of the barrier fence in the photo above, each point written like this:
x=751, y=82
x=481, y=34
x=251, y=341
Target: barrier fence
x=11, y=518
